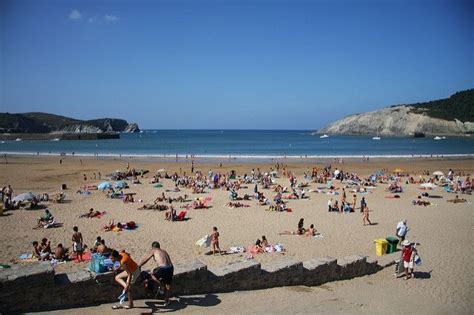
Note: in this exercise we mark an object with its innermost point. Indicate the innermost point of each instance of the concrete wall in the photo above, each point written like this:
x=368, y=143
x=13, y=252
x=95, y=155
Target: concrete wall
x=37, y=287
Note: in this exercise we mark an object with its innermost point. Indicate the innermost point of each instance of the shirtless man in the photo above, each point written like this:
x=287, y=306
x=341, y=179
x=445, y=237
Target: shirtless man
x=61, y=253
x=36, y=250
x=77, y=243
x=163, y=274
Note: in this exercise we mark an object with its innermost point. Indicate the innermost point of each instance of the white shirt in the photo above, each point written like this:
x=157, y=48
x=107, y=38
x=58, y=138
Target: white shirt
x=401, y=229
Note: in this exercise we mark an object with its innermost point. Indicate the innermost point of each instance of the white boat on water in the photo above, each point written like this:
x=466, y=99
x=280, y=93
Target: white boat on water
x=324, y=136
x=17, y=139
x=437, y=138
x=376, y=138
x=55, y=139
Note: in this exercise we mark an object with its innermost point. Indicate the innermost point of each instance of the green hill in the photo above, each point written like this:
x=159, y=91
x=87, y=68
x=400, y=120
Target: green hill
x=44, y=123
x=459, y=106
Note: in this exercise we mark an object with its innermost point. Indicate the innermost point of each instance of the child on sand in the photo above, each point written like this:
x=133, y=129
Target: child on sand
x=77, y=243
x=365, y=215
x=215, y=240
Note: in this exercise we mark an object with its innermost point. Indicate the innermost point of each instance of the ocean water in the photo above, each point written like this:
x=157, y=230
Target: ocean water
x=245, y=143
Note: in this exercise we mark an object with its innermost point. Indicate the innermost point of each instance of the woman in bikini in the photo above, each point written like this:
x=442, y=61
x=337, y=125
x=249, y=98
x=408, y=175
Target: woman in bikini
x=215, y=240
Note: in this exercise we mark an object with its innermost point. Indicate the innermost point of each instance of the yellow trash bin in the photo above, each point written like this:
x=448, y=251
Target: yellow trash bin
x=380, y=246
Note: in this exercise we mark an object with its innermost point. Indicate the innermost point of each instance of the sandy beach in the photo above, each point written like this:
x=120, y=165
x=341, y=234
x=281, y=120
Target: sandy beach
x=443, y=229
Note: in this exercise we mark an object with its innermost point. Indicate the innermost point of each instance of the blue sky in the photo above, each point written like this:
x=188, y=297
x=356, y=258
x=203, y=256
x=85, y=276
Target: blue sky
x=231, y=64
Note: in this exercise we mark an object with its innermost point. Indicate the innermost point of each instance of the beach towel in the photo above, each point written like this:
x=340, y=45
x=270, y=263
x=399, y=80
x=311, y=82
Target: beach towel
x=235, y=250
x=158, y=186
x=318, y=236
x=26, y=256
x=86, y=257
x=204, y=241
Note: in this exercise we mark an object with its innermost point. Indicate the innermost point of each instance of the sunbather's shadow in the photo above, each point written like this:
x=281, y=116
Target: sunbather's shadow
x=374, y=223
x=422, y=274
x=182, y=302
x=37, y=207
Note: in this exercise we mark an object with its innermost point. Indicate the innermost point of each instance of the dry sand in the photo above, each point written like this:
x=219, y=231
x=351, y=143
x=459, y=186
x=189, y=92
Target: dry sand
x=443, y=230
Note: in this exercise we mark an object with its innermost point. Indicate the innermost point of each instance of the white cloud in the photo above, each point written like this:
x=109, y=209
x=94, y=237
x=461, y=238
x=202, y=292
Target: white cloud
x=75, y=15
x=91, y=20
x=110, y=18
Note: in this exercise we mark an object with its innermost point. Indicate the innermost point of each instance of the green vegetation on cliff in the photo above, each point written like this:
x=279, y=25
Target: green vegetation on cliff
x=459, y=106
x=44, y=123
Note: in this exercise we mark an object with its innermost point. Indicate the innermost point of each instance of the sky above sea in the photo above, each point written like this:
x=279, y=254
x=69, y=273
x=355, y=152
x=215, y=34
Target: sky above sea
x=231, y=64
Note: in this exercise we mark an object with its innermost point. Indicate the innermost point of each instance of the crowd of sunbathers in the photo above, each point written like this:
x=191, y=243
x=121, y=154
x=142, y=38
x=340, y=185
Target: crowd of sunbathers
x=43, y=251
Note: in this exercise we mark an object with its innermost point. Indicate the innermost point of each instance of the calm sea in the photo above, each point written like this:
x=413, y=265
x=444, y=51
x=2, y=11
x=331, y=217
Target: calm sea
x=245, y=143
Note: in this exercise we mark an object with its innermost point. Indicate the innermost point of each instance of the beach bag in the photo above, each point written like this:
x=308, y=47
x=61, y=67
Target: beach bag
x=399, y=267
x=417, y=260
x=97, y=263
x=278, y=248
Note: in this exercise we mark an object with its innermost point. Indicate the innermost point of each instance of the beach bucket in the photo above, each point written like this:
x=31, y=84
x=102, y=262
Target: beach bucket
x=380, y=246
x=392, y=244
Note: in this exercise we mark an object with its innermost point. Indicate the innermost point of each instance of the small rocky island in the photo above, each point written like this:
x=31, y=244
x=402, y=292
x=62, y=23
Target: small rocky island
x=44, y=126
x=453, y=116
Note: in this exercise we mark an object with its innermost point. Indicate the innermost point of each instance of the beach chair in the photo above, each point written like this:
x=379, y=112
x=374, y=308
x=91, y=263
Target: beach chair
x=181, y=216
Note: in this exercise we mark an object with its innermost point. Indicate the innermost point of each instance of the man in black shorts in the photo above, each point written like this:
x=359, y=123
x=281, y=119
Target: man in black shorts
x=163, y=274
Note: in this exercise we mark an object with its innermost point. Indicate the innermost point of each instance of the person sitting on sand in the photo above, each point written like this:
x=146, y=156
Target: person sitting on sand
x=45, y=219
x=61, y=253
x=110, y=226
x=299, y=231
x=135, y=180
x=215, y=240
x=264, y=241
x=181, y=198
x=102, y=248
x=311, y=231
x=457, y=200
x=36, y=250
x=45, y=248
x=170, y=214
x=128, y=198
x=160, y=198
x=257, y=248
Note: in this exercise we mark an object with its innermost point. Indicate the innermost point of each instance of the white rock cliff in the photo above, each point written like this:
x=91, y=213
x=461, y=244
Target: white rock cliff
x=397, y=121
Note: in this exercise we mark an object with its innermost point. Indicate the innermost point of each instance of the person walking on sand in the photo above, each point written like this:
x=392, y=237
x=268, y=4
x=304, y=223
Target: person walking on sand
x=77, y=243
x=365, y=215
x=408, y=257
x=130, y=272
x=402, y=230
x=215, y=241
x=163, y=274
x=363, y=204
